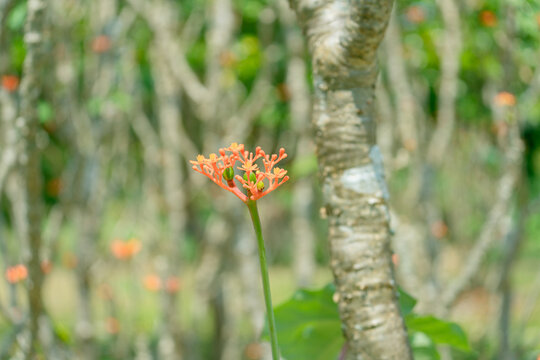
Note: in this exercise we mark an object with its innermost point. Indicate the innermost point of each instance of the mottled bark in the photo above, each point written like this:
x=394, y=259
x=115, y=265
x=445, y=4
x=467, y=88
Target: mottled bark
x=30, y=159
x=343, y=38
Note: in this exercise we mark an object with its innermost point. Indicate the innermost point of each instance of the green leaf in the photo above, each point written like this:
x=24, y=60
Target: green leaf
x=45, y=111
x=308, y=326
x=439, y=331
x=122, y=100
x=426, y=353
x=94, y=105
x=406, y=302
x=63, y=333
x=17, y=52
x=423, y=348
x=17, y=17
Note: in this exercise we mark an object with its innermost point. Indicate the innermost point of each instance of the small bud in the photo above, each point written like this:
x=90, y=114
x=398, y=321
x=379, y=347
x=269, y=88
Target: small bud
x=228, y=173
x=260, y=186
x=252, y=177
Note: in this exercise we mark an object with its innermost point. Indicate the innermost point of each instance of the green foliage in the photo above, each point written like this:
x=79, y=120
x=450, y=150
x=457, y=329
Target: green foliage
x=311, y=318
x=17, y=52
x=17, y=17
x=439, y=331
x=406, y=302
x=308, y=319
x=248, y=56
x=45, y=111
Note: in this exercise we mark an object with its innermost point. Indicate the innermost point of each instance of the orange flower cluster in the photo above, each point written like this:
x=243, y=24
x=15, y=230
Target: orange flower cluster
x=488, y=18
x=101, y=44
x=10, y=82
x=17, y=273
x=153, y=283
x=125, y=250
x=415, y=14
x=256, y=182
x=504, y=98
x=172, y=285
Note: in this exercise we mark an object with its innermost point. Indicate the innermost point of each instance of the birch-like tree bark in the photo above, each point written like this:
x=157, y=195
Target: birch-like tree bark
x=343, y=37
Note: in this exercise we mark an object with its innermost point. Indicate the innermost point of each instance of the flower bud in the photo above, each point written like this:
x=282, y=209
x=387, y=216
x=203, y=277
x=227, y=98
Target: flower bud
x=228, y=173
x=252, y=177
x=260, y=186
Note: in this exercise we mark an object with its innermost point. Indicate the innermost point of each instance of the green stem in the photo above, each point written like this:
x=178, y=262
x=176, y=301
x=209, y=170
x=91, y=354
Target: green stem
x=252, y=206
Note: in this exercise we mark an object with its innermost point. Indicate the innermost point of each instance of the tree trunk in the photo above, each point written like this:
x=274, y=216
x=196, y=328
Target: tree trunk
x=343, y=37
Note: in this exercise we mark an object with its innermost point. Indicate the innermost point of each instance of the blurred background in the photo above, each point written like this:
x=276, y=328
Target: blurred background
x=142, y=258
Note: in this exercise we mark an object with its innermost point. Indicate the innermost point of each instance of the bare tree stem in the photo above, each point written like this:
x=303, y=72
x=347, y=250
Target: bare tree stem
x=30, y=158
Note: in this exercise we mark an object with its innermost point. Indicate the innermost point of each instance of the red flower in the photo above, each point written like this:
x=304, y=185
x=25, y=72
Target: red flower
x=488, y=18
x=257, y=183
x=172, y=285
x=415, y=14
x=101, y=44
x=17, y=273
x=124, y=250
x=504, y=98
x=10, y=82
x=152, y=282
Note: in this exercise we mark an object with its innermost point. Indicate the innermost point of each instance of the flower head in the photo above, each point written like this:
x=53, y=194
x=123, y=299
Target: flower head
x=125, y=250
x=16, y=273
x=255, y=182
x=10, y=82
x=152, y=282
x=505, y=98
x=101, y=44
x=488, y=18
x=172, y=285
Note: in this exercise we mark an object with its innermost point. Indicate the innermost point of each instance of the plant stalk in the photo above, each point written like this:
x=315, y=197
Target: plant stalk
x=252, y=206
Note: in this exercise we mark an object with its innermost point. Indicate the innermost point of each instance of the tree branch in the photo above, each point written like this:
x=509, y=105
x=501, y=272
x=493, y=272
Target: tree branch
x=505, y=191
x=449, y=56
x=30, y=158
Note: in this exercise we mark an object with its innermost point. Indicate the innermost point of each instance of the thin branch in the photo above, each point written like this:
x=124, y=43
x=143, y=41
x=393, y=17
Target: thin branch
x=242, y=120
x=31, y=85
x=158, y=16
x=487, y=237
x=407, y=108
x=449, y=56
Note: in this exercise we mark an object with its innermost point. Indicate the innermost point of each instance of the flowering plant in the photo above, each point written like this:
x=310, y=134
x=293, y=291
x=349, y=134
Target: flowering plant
x=255, y=182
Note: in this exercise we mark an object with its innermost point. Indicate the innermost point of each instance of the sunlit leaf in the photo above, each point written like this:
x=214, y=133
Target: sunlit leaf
x=17, y=17
x=308, y=326
x=439, y=331
x=45, y=112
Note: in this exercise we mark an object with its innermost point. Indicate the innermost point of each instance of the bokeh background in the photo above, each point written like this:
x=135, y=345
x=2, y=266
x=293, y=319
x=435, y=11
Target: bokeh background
x=143, y=258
